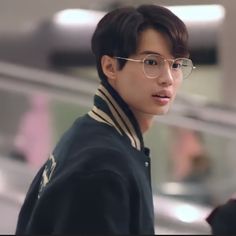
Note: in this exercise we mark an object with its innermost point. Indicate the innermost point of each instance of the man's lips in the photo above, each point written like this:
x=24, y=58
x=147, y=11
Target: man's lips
x=162, y=94
x=162, y=97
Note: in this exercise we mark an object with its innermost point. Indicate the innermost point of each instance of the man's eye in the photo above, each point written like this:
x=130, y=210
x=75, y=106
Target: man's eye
x=151, y=62
x=176, y=65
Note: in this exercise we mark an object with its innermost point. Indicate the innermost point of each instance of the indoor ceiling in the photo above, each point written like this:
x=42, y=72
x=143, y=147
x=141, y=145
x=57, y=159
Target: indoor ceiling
x=18, y=15
x=29, y=37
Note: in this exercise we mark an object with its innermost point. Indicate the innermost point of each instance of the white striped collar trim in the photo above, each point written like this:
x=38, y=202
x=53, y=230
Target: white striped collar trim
x=121, y=123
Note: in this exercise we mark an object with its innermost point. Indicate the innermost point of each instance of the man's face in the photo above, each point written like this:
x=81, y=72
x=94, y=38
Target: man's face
x=147, y=96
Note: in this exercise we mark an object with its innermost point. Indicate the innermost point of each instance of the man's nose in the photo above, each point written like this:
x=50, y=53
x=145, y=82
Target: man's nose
x=166, y=76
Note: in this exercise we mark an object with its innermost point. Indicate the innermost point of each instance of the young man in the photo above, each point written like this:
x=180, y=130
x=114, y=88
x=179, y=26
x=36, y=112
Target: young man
x=97, y=179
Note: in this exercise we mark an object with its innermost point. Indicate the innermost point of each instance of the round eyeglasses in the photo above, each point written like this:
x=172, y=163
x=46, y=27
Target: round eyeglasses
x=153, y=65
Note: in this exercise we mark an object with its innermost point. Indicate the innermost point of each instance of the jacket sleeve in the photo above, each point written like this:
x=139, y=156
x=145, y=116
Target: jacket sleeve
x=223, y=219
x=92, y=203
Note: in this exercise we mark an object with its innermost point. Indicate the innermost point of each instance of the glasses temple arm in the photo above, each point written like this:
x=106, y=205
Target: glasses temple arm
x=129, y=59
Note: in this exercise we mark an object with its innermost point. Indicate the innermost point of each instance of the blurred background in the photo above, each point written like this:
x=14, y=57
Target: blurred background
x=48, y=78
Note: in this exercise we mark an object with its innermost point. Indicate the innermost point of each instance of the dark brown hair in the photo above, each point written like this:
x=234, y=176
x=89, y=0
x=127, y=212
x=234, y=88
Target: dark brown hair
x=118, y=32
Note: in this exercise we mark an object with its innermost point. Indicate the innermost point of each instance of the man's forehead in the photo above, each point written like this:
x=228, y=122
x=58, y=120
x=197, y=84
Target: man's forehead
x=152, y=41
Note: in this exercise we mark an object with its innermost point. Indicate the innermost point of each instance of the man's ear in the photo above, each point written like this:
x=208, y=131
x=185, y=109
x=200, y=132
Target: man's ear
x=109, y=66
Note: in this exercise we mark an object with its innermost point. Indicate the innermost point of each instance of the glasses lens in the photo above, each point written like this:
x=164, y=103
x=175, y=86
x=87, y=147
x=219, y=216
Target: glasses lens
x=153, y=65
x=182, y=68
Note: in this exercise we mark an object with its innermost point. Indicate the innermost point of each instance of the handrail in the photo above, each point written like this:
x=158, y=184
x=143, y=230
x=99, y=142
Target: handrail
x=186, y=111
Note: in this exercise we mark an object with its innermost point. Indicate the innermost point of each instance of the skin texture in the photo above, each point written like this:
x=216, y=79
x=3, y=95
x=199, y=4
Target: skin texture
x=137, y=90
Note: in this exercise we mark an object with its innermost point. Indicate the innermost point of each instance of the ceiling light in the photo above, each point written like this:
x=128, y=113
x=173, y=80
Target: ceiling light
x=187, y=213
x=73, y=17
x=199, y=13
x=188, y=13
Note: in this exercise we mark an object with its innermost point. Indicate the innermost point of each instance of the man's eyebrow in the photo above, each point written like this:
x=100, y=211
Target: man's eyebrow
x=146, y=52
x=149, y=52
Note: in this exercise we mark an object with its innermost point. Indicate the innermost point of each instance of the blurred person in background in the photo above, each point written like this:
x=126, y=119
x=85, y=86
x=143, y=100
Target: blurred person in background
x=97, y=179
x=33, y=139
x=198, y=178
x=200, y=169
x=191, y=166
x=186, y=145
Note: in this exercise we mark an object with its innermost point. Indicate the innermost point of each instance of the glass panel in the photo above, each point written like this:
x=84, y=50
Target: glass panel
x=192, y=165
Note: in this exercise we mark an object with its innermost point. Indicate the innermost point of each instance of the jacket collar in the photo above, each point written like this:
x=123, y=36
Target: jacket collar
x=111, y=109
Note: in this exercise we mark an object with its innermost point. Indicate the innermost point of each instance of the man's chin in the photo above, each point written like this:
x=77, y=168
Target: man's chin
x=163, y=111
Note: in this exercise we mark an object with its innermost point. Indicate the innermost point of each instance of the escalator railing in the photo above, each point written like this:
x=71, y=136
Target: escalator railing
x=186, y=112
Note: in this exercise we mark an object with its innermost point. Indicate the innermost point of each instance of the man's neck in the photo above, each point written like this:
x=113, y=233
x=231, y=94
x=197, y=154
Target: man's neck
x=144, y=120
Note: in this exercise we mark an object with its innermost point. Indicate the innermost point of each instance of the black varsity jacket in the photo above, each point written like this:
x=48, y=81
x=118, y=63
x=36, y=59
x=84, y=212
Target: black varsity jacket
x=97, y=180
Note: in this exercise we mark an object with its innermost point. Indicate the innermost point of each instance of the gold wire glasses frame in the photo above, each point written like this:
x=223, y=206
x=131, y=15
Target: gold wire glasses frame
x=153, y=65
